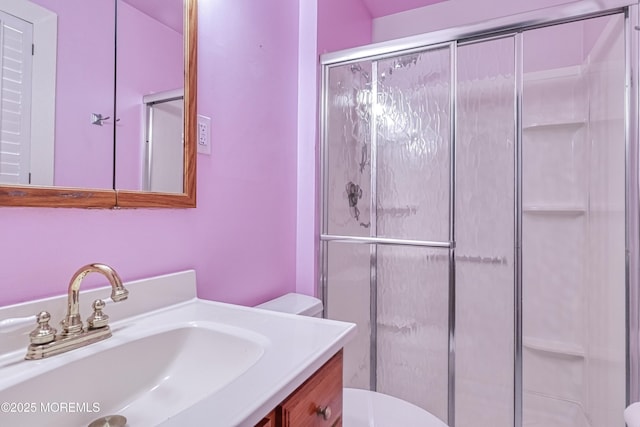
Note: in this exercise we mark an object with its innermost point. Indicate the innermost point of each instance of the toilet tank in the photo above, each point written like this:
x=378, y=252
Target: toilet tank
x=293, y=303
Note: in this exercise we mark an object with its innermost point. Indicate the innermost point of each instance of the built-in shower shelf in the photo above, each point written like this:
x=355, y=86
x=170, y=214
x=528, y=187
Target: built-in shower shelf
x=572, y=72
x=549, y=346
x=554, y=210
x=565, y=125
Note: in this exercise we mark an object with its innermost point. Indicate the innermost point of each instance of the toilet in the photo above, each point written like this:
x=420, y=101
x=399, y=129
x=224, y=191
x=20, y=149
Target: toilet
x=360, y=408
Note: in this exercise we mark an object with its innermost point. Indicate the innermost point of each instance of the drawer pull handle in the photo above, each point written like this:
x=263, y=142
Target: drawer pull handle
x=325, y=412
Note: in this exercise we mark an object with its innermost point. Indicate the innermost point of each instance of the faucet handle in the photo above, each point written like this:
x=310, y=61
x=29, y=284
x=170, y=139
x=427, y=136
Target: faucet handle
x=98, y=319
x=44, y=333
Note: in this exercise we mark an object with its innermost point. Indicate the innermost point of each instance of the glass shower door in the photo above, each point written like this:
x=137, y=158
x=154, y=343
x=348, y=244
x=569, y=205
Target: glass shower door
x=485, y=224
x=413, y=190
x=474, y=224
x=347, y=202
x=387, y=221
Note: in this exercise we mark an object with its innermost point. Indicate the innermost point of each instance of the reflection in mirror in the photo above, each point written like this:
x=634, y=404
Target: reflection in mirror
x=164, y=154
x=57, y=70
x=150, y=83
x=75, y=112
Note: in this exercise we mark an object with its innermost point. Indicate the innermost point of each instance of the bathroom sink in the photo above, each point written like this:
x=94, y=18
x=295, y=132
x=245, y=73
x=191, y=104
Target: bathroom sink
x=173, y=360
x=147, y=379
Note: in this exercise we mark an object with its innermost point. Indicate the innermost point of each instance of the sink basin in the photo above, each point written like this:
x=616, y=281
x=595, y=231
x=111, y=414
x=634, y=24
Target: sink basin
x=147, y=379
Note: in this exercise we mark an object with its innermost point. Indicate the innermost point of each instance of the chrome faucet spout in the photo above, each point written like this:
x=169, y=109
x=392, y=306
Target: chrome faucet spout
x=72, y=324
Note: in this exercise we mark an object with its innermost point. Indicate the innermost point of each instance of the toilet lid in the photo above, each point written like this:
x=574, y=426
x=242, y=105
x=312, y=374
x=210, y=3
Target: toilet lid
x=364, y=408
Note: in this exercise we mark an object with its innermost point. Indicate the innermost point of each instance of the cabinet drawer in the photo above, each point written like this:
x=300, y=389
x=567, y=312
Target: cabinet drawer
x=317, y=402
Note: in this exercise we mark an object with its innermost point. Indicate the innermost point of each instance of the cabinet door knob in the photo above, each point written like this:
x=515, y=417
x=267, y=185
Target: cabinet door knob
x=325, y=412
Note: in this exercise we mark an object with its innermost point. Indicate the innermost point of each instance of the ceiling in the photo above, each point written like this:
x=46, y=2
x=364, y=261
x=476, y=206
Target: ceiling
x=379, y=8
x=169, y=12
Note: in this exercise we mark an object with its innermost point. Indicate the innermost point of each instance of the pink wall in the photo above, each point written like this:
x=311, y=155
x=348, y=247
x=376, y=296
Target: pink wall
x=342, y=24
x=142, y=69
x=380, y=8
x=578, y=38
x=593, y=29
x=84, y=86
x=247, y=67
x=452, y=13
x=241, y=237
x=306, y=231
x=569, y=52
x=326, y=25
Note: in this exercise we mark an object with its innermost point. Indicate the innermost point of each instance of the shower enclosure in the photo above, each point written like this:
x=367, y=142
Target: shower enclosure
x=479, y=217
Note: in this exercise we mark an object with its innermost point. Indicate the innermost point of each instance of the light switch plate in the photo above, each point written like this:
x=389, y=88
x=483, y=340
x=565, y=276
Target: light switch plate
x=204, y=134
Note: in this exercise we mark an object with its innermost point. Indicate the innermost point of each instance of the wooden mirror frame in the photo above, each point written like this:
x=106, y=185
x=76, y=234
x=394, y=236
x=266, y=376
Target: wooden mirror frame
x=67, y=197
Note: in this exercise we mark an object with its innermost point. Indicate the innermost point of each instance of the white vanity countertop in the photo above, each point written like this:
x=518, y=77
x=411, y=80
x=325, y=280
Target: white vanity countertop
x=296, y=347
x=293, y=348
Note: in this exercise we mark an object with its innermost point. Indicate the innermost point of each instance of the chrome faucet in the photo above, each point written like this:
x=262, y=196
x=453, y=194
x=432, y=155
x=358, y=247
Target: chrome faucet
x=44, y=340
x=72, y=324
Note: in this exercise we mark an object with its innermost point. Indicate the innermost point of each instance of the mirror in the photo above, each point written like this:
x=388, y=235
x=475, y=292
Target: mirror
x=52, y=76
x=149, y=98
x=92, y=159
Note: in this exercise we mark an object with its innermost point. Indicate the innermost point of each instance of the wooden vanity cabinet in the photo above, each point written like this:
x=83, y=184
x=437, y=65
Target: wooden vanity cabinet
x=316, y=403
x=268, y=421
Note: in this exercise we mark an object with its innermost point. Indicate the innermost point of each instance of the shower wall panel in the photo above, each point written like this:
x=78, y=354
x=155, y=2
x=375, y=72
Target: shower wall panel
x=485, y=191
x=573, y=228
x=605, y=325
x=554, y=237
